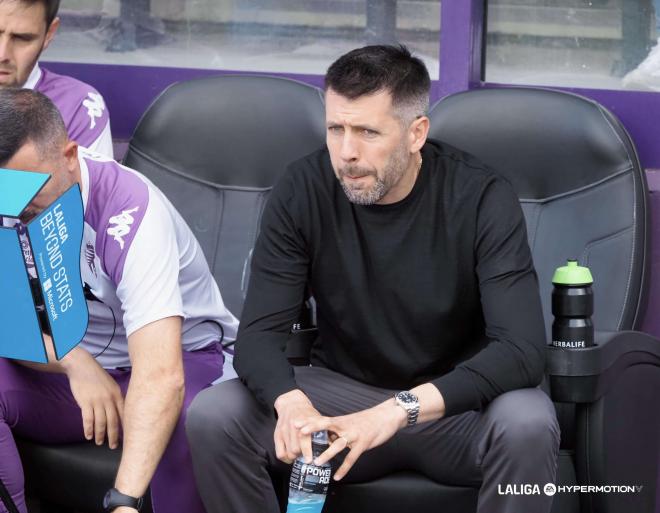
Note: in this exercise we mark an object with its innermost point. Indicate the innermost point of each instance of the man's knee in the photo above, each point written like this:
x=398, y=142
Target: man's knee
x=7, y=382
x=217, y=411
x=524, y=422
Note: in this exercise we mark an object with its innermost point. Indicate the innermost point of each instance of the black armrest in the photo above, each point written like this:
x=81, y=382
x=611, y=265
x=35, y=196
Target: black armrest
x=584, y=375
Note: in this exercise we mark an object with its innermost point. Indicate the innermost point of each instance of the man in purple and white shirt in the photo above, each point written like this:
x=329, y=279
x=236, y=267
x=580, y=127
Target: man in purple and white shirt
x=27, y=27
x=159, y=318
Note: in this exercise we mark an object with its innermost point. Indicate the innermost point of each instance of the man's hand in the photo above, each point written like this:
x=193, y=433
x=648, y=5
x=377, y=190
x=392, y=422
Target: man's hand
x=98, y=396
x=124, y=509
x=359, y=432
x=294, y=410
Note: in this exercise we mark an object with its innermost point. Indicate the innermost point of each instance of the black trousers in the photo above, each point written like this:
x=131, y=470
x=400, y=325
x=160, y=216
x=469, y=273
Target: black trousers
x=515, y=440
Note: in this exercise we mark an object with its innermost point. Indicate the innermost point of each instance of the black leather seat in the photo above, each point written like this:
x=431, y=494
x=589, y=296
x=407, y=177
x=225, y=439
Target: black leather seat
x=584, y=195
x=215, y=147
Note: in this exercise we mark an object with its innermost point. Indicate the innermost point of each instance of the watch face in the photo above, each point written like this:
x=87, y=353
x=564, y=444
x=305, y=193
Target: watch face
x=406, y=397
x=106, y=499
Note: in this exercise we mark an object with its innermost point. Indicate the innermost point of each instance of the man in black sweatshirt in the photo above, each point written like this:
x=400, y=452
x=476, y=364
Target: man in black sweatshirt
x=431, y=337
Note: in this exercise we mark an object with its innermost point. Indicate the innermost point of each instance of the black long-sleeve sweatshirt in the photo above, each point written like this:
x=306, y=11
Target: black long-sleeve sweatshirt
x=437, y=287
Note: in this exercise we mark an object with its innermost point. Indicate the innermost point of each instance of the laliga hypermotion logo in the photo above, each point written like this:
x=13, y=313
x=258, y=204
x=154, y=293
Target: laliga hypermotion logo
x=551, y=489
x=122, y=226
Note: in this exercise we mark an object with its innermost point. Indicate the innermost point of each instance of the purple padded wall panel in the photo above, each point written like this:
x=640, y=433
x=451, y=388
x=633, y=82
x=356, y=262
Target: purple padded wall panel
x=130, y=96
x=460, y=45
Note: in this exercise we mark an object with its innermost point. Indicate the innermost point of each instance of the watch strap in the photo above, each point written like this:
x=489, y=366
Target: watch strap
x=115, y=499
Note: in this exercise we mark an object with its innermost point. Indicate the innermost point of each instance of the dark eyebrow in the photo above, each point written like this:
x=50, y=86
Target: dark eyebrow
x=366, y=127
x=23, y=35
x=353, y=127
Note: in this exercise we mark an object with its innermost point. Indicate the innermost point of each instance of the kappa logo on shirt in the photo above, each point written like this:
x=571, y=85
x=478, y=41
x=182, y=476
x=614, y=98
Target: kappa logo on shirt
x=122, y=226
x=95, y=107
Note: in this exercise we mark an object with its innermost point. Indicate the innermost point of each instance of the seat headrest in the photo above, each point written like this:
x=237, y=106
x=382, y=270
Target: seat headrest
x=232, y=130
x=503, y=127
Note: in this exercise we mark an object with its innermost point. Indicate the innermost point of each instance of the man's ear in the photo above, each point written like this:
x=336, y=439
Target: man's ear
x=418, y=132
x=70, y=153
x=50, y=33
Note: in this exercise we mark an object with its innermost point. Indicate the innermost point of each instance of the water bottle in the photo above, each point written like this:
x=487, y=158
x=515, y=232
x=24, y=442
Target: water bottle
x=572, y=306
x=308, y=485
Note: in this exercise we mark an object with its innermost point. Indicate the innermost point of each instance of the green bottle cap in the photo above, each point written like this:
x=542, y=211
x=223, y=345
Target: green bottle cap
x=572, y=274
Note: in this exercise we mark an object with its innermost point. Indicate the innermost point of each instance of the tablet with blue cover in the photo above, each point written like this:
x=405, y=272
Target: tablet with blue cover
x=40, y=286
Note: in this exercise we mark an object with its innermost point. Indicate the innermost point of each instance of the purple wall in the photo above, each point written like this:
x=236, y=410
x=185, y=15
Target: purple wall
x=127, y=102
x=461, y=64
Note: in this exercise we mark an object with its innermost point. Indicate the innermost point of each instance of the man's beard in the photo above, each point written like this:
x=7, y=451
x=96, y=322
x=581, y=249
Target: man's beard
x=392, y=173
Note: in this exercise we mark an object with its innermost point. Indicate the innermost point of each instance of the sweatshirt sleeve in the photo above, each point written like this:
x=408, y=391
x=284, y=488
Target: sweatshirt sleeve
x=275, y=296
x=514, y=356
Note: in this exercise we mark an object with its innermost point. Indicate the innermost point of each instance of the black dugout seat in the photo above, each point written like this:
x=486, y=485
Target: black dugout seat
x=215, y=147
x=584, y=195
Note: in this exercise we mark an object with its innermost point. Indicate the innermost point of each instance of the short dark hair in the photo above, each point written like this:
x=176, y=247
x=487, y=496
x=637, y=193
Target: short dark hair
x=50, y=7
x=371, y=69
x=28, y=116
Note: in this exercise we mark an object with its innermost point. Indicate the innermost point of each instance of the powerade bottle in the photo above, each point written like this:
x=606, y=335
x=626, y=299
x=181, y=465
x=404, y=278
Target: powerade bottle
x=572, y=306
x=308, y=485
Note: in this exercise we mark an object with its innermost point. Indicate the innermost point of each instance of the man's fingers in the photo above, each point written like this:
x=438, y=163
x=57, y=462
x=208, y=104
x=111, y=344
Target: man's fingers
x=306, y=447
x=281, y=444
x=335, y=448
x=113, y=426
x=88, y=421
x=119, y=402
x=293, y=444
x=100, y=423
x=280, y=447
x=316, y=424
x=349, y=461
x=281, y=450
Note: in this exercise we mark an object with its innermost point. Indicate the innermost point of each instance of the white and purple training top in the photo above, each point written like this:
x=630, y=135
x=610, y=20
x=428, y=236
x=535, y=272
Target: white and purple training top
x=141, y=259
x=85, y=116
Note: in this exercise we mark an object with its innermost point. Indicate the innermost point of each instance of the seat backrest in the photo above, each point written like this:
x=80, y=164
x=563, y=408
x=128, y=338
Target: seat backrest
x=215, y=147
x=580, y=184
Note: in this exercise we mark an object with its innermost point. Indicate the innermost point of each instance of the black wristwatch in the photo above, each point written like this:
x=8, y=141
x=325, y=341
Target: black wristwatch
x=114, y=499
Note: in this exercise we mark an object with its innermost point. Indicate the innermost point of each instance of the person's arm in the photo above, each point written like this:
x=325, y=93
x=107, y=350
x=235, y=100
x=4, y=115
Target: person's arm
x=366, y=429
x=94, y=390
x=153, y=403
x=280, y=266
x=145, y=269
x=515, y=353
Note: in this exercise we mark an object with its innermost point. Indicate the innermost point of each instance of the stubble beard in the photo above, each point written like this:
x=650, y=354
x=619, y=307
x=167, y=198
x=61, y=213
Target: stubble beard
x=392, y=173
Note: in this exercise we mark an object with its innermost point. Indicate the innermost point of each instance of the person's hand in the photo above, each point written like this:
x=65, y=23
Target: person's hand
x=124, y=509
x=98, y=396
x=358, y=431
x=294, y=410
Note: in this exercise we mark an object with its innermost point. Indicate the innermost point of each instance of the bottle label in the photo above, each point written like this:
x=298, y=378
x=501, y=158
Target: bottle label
x=569, y=344
x=309, y=478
